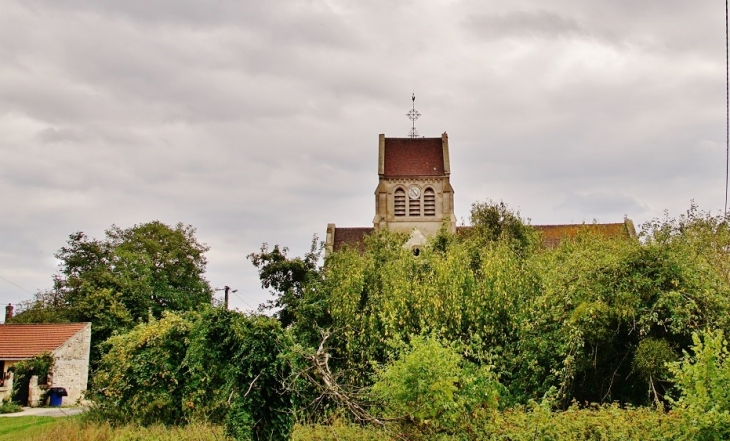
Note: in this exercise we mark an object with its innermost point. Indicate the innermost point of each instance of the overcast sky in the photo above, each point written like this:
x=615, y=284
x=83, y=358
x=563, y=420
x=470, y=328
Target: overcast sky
x=258, y=121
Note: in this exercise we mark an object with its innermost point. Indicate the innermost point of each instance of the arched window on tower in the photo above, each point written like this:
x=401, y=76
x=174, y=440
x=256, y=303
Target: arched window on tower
x=399, y=202
x=414, y=202
x=429, y=202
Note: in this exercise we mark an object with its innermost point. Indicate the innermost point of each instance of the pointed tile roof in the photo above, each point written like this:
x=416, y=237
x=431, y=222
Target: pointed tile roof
x=413, y=157
x=22, y=341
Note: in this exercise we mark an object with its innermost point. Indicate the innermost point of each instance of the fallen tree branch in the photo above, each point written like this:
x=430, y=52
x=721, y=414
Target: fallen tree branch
x=320, y=362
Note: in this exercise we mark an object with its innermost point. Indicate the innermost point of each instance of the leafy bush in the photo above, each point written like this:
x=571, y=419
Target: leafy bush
x=39, y=366
x=10, y=407
x=431, y=388
x=702, y=379
x=530, y=423
x=140, y=378
x=234, y=375
x=215, y=366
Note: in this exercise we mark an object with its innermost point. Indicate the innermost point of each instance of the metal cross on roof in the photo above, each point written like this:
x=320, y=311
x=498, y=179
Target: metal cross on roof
x=413, y=116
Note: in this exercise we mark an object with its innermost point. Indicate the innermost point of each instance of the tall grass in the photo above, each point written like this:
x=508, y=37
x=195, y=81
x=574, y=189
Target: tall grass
x=82, y=430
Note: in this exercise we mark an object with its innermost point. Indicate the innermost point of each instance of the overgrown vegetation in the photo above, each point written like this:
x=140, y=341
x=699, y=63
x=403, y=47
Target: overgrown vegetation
x=128, y=277
x=485, y=335
x=216, y=366
x=8, y=406
x=38, y=366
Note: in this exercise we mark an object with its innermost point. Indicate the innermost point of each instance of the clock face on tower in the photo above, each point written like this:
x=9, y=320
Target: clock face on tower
x=414, y=193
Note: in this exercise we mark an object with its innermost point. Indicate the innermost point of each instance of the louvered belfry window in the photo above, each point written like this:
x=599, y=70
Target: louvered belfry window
x=399, y=202
x=414, y=207
x=429, y=202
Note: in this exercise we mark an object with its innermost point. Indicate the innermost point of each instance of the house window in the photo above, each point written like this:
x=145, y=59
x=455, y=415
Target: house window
x=429, y=202
x=399, y=202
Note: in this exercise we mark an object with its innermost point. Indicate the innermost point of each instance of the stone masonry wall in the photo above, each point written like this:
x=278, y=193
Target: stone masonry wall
x=71, y=370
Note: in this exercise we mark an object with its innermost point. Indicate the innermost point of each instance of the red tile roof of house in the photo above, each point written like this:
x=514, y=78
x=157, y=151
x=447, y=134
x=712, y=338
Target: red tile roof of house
x=413, y=157
x=19, y=342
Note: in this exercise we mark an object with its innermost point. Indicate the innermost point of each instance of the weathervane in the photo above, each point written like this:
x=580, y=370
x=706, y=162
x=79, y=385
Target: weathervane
x=413, y=116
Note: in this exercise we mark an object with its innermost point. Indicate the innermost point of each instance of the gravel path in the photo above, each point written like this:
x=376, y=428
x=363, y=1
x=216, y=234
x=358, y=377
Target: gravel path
x=47, y=411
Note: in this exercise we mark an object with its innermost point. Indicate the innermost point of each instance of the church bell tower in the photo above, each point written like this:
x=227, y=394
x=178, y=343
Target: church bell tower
x=414, y=193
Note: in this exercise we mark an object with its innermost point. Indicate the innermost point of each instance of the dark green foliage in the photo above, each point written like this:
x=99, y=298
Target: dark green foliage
x=140, y=377
x=129, y=276
x=494, y=221
x=217, y=366
x=587, y=329
x=39, y=366
x=287, y=278
x=234, y=375
x=592, y=320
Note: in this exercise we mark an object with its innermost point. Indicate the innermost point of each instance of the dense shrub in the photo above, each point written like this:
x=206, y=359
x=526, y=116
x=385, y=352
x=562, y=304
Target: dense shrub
x=429, y=388
x=593, y=320
x=703, y=379
x=234, y=375
x=215, y=366
x=140, y=378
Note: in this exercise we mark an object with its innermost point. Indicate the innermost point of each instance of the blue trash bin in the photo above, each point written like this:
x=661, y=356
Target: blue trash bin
x=55, y=396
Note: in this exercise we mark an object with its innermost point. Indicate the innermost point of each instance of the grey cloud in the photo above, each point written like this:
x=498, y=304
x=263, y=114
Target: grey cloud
x=523, y=24
x=258, y=121
x=603, y=204
x=52, y=135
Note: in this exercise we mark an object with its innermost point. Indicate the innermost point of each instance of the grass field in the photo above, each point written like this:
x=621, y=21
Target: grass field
x=75, y=428
x=24, y=428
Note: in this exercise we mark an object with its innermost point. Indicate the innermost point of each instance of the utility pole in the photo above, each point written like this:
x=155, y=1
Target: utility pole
x=226, y=290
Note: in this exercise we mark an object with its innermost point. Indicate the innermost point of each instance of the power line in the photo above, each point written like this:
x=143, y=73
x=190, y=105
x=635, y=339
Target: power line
x=246, y=303
x=234, y=291
x=15, y=284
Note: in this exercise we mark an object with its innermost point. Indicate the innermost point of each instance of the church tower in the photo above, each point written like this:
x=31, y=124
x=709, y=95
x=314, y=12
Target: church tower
x=414, y=193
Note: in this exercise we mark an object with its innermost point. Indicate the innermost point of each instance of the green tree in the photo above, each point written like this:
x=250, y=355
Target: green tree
x=287, y=278
x=234, y=375
x=129, y=276
x=495, y=221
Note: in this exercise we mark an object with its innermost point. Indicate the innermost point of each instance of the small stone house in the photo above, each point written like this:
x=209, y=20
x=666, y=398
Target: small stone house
x=69, y=343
